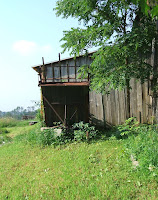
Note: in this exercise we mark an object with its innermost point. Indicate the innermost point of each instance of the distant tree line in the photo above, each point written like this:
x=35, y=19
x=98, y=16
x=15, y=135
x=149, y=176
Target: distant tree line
x=20, y=112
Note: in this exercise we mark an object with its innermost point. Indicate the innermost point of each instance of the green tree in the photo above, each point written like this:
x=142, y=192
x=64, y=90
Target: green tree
x=122, y=31
x=148, y=6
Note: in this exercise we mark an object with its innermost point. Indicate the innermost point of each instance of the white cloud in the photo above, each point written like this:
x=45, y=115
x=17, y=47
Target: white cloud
x=26, y=48
x=46, y=48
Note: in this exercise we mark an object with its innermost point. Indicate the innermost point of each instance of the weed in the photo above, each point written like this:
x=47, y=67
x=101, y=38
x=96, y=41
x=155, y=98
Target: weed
x=131, y=126
x=79, y=132
x=144, y=147
x=84, y=131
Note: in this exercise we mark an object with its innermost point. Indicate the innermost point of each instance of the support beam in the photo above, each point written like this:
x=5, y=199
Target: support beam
x=53, y=109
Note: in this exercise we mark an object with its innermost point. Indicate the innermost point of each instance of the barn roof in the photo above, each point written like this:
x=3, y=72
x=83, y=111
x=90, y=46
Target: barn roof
x=36, y=68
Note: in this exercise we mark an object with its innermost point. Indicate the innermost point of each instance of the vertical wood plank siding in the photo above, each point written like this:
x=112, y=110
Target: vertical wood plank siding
x=112, y=109
x=103, y=110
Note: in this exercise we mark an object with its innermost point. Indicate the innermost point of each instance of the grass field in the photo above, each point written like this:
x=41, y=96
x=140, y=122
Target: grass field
x=98, y=170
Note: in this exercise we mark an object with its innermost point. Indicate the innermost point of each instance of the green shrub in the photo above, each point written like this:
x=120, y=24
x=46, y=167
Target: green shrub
x=79, y=132
x=51, y=137
x=84, y=131
x=46, y=137
x=131, y=126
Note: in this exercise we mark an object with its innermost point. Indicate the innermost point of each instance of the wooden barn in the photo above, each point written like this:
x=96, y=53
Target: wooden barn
x=67, y=99
x=65, y=96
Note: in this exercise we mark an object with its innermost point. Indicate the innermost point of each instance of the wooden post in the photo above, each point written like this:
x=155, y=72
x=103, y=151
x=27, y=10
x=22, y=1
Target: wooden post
x=53, y=109
x=68, y=73
x=53, y=72
x=43, y=70
x=60, y=68
x=42, y=117
x=75, y=70
x=65, y=118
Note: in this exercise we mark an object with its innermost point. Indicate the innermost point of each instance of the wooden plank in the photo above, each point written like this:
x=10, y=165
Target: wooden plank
x=53, y=109
x=126, y=105
x=133, y=98
x=104, y=108
x=75, y=70
x=150, y=110
x=144, y=102
x=60, y=69
x=52, y=71
x=86, y=103
x=108, y=110
x=94, y=108
x=122, y=106
x=117, y=107
x=113, y=109
x=91, y=106
x=149, y=102
x=99, y=110
x=139, y=102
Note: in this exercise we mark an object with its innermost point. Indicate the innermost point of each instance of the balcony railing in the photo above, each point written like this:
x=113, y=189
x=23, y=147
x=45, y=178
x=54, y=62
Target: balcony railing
x=60, y=74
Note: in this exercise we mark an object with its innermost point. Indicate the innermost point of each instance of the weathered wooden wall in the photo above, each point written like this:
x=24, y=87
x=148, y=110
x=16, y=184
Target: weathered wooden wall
x=70, y=103
x=112, y=109
x=104, y=110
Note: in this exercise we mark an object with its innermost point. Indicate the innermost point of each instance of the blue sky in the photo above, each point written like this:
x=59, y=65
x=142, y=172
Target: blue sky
x=29, y=30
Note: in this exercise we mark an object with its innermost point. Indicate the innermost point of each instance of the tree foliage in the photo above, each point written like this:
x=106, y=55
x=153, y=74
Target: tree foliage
x=122, y=31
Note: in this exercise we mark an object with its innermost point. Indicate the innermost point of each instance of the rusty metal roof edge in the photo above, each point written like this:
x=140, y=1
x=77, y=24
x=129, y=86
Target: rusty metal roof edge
x=85, y=83
x=56, y=61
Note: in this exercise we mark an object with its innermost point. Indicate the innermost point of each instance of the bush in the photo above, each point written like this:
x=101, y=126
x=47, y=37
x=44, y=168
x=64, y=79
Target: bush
x=131, y=126
x=79, y=132
x=84, y=131
x=46, y=137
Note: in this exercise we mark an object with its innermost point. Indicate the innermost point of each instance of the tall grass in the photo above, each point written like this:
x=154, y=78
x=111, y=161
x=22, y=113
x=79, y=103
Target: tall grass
x=9, y=127
x=11, y=122
x=144, y=147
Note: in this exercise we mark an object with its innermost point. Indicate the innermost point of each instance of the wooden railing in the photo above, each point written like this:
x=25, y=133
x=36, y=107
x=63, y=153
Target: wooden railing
x=54, y=74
